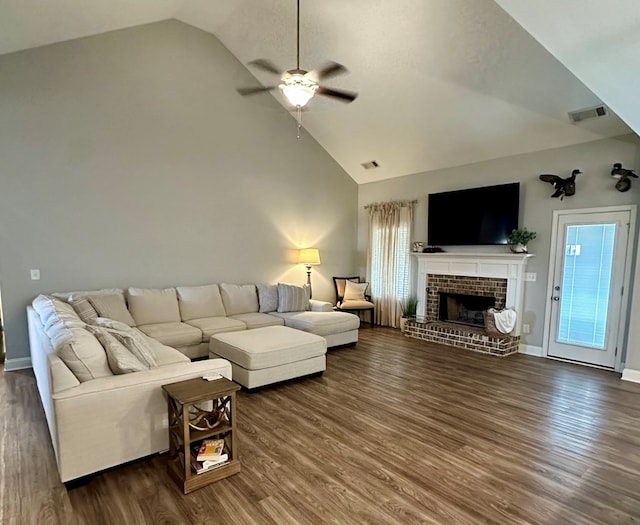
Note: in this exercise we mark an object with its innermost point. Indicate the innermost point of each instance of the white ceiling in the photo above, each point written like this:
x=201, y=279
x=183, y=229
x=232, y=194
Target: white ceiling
x=441, y=82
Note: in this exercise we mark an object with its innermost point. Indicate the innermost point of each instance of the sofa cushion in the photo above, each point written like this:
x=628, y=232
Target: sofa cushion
x=292, y=298
x=198, y=302
x=257, y=320
x=320, y=323
x=173, y=334
x=83, y=308
x=84, y=356
x=53, y=311
x=239, y=299
x=152, y=305
x=267, y=297
x=120, y=359
x=356, y=305
x=320, y=306
x=165, y=355
x=216, y=325
x=112, y=306
x=68, y=296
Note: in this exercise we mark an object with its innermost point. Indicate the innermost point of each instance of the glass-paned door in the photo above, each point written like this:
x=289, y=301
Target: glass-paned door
x=587, y=286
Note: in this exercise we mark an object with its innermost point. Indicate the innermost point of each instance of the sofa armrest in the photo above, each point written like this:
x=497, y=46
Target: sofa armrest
x=156, y=376
x=61, y=377
x=320, y=306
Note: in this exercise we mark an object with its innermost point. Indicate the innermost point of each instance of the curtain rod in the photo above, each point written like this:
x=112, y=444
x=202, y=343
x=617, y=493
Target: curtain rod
x=402, y=203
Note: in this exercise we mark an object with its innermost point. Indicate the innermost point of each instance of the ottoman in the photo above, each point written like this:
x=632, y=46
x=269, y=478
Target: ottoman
x=271, y=354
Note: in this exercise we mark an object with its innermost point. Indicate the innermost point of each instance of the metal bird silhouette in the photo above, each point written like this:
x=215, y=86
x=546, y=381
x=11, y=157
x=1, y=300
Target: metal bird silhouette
x=622, y=174
x=562, y=186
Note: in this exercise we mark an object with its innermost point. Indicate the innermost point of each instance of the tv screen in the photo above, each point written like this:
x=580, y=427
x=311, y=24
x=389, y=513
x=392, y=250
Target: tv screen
x=474, y=216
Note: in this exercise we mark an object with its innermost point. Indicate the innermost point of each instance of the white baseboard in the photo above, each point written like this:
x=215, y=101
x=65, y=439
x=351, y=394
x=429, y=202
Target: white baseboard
x=629, y=374
x=18, y=363
x=531, y=350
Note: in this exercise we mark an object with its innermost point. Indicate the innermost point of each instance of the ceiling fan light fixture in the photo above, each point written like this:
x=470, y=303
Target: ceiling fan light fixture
x=298, y=89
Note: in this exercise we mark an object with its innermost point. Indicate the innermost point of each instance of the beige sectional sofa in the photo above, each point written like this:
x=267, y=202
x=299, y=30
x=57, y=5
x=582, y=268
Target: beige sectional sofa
x=98, y=419
x=186, y=317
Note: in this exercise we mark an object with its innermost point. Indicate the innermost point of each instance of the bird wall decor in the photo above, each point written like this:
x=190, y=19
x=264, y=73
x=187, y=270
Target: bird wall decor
x=622, y=174
x=564, y=187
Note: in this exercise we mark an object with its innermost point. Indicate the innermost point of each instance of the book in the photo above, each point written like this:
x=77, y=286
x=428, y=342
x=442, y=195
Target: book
x=215, y=462
x=203, y=466
x=210, y=449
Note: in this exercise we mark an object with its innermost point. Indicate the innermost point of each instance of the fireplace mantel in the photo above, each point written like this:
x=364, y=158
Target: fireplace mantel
x=497, y=265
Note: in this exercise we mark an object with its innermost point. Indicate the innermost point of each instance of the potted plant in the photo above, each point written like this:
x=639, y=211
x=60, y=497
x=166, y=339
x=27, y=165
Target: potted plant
x=408, y=307
x=519, y=239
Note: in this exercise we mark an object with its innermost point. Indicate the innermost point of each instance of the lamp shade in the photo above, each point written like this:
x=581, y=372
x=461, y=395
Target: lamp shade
x=298, y=88
x=309, y=256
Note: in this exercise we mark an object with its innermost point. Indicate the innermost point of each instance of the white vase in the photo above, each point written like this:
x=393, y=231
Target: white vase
x=518, y=248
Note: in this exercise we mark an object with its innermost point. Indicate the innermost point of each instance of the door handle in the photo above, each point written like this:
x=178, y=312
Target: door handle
x=556, y=298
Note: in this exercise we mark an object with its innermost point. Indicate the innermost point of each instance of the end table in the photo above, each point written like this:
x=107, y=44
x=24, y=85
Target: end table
x=189, y=423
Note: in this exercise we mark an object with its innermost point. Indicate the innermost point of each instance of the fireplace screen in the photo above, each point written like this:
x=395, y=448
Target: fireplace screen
x=464, y=309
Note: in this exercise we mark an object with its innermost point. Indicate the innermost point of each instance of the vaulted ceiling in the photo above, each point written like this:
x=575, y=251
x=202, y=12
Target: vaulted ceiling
x=441, y=82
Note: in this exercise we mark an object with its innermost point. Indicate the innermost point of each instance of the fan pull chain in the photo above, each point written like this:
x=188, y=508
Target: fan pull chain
x=299, y=120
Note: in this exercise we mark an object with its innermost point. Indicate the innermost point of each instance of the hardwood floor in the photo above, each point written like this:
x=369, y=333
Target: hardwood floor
x=396, y=431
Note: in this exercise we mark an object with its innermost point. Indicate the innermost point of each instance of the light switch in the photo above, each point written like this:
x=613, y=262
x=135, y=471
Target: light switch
x=530, y=276
x=526, y=329
x=35, y=274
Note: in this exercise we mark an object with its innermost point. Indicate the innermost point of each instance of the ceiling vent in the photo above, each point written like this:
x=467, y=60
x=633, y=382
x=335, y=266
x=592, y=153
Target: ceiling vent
x=372, y=164
x=588, y=113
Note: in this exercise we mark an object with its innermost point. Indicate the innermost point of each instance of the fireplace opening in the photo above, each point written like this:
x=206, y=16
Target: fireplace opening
x=464, y=309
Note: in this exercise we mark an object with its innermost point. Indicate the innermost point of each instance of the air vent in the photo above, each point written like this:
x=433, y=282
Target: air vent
x=588, y=113
x=372, y=164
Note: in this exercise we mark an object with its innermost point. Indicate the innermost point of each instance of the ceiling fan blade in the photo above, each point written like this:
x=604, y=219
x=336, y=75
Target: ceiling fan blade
x=331, y=69
x=254, y=90
x=344, y=96
x=266, y=65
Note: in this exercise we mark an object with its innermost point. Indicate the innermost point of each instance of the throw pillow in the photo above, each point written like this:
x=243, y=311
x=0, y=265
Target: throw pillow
x=267, y=297
x=84, y=356
x=292, y=298
x=120, y=359
x=53, y=311
x=113, y=307
x=354, y=291
x=130, y=338
x=111, y=323
x=83, y=308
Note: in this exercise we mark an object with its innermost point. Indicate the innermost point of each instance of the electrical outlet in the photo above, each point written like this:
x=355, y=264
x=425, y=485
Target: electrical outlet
x=526, y=329
x=531, y=276
x=35, y=274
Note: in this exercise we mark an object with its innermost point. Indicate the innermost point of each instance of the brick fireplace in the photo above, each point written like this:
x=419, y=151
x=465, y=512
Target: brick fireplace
x=468, y=283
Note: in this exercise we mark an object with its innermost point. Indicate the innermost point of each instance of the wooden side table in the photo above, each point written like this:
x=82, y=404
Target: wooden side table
x=188, y=423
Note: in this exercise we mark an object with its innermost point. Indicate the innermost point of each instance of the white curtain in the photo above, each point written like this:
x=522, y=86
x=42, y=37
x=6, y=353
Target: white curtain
x=388, y=263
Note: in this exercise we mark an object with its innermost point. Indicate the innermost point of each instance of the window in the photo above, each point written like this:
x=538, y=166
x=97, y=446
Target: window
x=397, y=284
x=588, y=262
x=390, y=226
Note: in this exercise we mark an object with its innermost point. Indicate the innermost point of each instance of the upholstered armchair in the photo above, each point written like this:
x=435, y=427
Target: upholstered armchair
x=352, y=297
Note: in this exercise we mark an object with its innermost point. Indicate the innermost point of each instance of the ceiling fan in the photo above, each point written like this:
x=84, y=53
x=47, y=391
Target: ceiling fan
x=297, y=85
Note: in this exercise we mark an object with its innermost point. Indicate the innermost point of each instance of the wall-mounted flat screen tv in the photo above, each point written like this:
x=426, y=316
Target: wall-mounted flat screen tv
x=475, y=216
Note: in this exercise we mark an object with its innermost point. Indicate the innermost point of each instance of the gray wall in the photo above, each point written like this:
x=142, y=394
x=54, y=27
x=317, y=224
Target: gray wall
x=594, y=188
x=128, y=158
